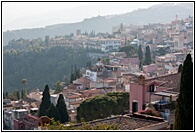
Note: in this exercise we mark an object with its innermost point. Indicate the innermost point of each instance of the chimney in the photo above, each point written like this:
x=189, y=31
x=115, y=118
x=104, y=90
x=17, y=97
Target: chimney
x=141, y=80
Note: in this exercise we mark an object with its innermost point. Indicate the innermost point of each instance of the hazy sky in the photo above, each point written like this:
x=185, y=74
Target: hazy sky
x=19, y=15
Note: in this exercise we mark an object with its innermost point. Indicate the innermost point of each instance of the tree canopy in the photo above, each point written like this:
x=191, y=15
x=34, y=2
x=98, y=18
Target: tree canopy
x=103, y=106
x=147, y=60
x=62, y=108
x=131, y=51
x=184, y=108
x=45, y=102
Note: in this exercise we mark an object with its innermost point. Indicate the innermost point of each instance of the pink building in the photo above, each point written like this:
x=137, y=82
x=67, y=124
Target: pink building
x=145, y=91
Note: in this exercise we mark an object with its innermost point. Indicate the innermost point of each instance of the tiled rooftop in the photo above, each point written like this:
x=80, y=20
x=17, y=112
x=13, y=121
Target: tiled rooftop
x=126, y=122
x=171, y=81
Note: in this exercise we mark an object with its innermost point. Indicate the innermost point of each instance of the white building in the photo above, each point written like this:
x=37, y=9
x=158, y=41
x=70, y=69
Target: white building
x=110, y=44
x=91, y=75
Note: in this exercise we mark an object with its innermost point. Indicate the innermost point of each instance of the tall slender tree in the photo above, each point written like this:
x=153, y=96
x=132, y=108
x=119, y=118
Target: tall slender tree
x=147, y=60
x=184, y=108
x=52, y=112
x=62, y=108
x=22, y=94
x=17, y=94
x=140, y=53
x=58, y=87
x=180, y=68
x=3, y=95
x=24, y=82
x=45, y=102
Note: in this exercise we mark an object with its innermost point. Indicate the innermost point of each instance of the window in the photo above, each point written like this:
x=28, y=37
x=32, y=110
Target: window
x=152, y=88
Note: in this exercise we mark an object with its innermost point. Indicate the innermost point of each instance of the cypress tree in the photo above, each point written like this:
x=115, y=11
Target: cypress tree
x=184, y=108
x=180, y=68
x=140, y=53
x=53, y=112
x=62, y=108
x=141, y=66
x=45, y=102
x=147, y=60
x=22, y=94
x=6, y=94
x=17, y=94
x=72, y=78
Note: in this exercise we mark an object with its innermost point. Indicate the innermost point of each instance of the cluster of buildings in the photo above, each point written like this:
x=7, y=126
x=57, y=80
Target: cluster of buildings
x=156, y=84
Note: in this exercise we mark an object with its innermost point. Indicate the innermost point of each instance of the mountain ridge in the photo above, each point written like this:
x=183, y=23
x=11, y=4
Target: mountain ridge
x=105, y=23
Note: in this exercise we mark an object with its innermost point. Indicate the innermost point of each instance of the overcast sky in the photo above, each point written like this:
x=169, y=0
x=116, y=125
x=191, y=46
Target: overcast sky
x=20, y=15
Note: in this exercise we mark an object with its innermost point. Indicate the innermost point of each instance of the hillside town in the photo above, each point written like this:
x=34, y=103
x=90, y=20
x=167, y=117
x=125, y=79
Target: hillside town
x=151, y=84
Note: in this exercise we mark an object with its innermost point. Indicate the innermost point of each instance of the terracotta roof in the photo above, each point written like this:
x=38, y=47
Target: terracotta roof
x=73, y=86
x=170, y=81
x=84, y=80
x=126, y=122
x=130, y=60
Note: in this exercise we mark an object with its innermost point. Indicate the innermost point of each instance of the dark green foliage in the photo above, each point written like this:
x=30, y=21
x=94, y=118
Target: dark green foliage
x=103, y=106
x=96, y=108
x=122, y=101
x=24, y=82
x=3, y=95
x=17, y=94
x=88, y=65
x=162, y=51
x=184, y=108
x=40, y=65
x=131, y=51
x=62, y=108
x=141, y=65
x=6, y=93
x=98, y=59
x=45, y=102
x=140, y=53
x=180, y=68
x=22, y=94
x=53, y=112
x=72, y=78
x=147, y=60
x=58, y=87
x=13, y=96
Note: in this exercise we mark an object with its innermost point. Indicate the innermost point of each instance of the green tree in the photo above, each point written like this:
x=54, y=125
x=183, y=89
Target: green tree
x=6, y=94
x=22, y=94
x=147, y=60
x=140, y=53
x=162, y=51
x=72, y=78
x=131, y=51
x=180, y=68
x=100, y=107
x=17, y=94
x=24, y=82
x=184, y=108
x=45, y=102
x=62, y=108
x=141, y=66
x=3, y=95
x=52, y=112
x=58, y=87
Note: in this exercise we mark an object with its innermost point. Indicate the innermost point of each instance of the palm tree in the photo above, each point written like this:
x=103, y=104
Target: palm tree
x=24, y=82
